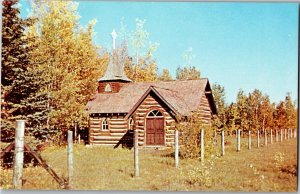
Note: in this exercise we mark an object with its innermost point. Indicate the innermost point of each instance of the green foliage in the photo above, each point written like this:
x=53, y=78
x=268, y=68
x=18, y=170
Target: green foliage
x=219, y=121
x=279, y=160
x=291, y=112
x=255, y=111
x=187, y=73
x=280, y=116
x=15, y=79
x=14, y=45
x=265, y=113
x=200, y=175
x=69, y=61
x=231, y=118
x=165, y=76
x=253, y=104
x=242, y=110
x=190, y=137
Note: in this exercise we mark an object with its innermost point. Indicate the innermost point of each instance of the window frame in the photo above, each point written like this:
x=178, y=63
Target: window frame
x=106, y=124
x=130, y=124
x=108, y=88
x=155, y=113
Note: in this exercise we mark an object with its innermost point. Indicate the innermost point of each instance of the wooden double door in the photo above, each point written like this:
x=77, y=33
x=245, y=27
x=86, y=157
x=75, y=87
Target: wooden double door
x=155, y=134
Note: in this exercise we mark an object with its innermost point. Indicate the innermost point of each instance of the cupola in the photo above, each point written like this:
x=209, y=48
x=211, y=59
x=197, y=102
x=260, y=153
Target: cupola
x=114, y=77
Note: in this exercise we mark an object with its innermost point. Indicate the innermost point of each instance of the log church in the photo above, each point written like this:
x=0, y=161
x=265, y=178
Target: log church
x=121, y=106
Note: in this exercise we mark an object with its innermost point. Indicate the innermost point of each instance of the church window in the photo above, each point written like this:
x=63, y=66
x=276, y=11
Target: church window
x=107, y=88
x=105, y=125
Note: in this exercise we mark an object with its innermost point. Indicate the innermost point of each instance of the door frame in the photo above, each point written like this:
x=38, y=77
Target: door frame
x=164, y=126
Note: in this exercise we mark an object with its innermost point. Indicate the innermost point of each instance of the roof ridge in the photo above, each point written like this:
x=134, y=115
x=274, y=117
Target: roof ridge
x=163, y=88
x=149, y=82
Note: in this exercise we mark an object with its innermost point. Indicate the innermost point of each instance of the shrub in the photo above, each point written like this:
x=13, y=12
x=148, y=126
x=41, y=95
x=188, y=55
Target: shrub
x=190, y=137
x=200, y=175
x=278, y=160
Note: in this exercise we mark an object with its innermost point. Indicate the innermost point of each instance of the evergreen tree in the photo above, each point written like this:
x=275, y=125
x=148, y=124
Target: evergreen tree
x=14, y=58
x=15, y=62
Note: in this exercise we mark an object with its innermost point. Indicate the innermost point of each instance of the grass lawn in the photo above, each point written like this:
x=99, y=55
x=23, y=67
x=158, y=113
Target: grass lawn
x=268, y=168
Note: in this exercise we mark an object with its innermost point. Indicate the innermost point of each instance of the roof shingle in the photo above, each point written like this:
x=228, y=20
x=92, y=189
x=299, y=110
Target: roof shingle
x=183, y=96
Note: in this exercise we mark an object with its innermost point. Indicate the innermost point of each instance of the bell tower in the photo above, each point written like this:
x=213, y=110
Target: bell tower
x=114, y=77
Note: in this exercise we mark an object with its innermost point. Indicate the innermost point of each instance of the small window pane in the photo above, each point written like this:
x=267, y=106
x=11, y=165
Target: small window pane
x=107, y=88
x=130, y=124
x=155, y=113
x=158, y=113
x=104, y=125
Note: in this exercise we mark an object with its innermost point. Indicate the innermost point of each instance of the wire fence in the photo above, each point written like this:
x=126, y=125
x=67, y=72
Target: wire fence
x=72, y=167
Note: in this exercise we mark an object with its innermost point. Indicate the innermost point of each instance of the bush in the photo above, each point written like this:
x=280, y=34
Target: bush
x=189, y=138
x=200, y=175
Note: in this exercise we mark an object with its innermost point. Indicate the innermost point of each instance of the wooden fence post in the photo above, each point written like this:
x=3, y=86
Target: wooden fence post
x=176, y=149
x=271, y=136
x=238, y=140
x=281, y=135
x=258, y=138
x=223, y=143
x=19, y=154
x=266, y=137
x=136, y=154
x=70, y=159
x=202, y=145
x=249, y=139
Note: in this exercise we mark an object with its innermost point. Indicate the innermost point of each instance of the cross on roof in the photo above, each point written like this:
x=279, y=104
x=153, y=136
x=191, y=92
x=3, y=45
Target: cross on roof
x=114, y=36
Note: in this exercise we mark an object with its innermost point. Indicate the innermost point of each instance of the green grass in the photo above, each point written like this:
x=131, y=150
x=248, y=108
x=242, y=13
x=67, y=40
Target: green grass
x=270, y=168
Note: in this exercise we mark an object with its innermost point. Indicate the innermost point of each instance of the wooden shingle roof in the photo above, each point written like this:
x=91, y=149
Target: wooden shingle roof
x=183, y=96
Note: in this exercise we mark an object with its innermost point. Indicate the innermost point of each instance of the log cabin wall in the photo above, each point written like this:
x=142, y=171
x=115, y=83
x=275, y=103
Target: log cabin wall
x=205, y=110
x=150, y=103
x=117, y=128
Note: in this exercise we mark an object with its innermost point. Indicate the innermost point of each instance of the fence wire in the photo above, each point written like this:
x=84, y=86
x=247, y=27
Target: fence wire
x=100, y=167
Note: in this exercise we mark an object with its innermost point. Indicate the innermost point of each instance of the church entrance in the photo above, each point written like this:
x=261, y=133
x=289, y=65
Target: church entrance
x=155, y=134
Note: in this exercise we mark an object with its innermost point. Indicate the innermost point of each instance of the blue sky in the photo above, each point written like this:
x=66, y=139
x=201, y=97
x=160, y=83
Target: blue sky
x=237, y=45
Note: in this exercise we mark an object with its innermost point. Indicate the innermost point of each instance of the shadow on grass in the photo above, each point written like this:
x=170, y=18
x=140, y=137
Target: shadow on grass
x=126, y=141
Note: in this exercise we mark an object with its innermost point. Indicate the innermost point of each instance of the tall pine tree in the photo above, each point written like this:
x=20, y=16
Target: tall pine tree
x=15, y=62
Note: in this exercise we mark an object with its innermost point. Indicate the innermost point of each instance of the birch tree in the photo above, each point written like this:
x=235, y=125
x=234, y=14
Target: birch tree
x=69, y=60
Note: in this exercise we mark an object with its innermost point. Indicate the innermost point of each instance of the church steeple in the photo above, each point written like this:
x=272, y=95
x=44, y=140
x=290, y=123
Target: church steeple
x=114, y=76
